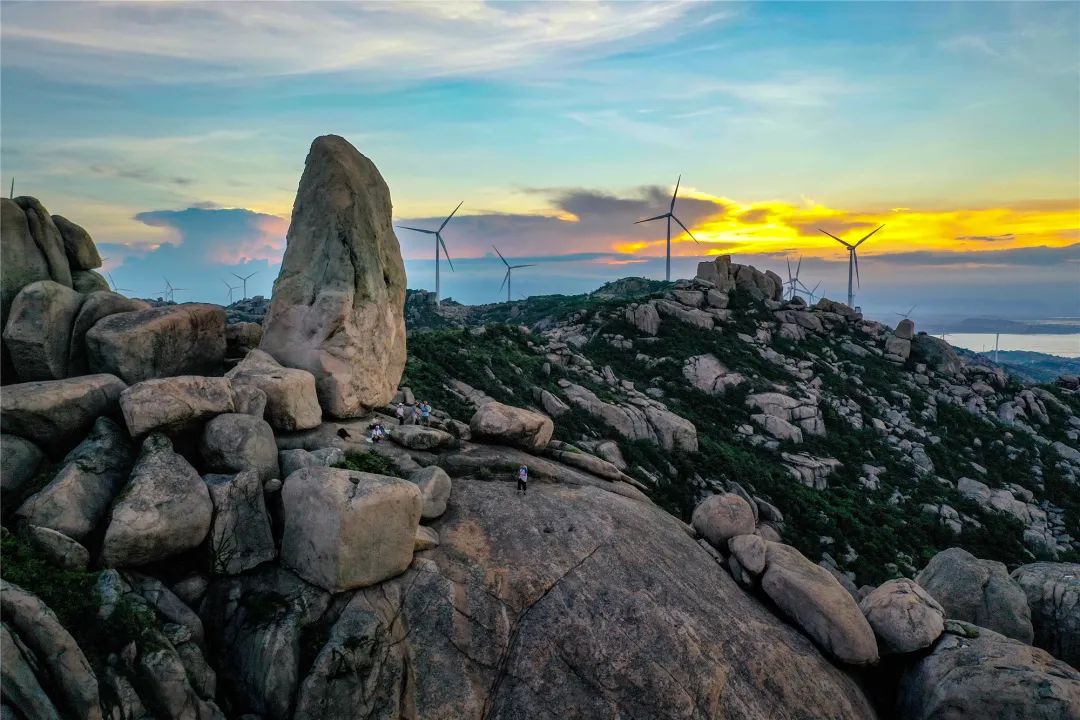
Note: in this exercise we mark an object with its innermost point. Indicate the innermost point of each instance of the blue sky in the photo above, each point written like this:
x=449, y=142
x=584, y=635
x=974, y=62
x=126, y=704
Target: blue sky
x=176, y=133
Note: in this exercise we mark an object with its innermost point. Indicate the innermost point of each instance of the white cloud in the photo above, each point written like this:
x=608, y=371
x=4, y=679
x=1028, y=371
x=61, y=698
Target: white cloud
x=115, y=42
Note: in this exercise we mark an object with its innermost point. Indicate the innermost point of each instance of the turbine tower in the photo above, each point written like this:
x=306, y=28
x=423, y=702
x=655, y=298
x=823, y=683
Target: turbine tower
x=231, y=289
x=244, y=279
x=813, y=293
x=438, y=242
x=853, y=261
x=509, y=267
x=670, y=215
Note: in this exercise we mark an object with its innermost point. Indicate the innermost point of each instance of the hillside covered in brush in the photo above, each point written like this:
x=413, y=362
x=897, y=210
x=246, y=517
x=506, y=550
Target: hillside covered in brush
x=878, y=446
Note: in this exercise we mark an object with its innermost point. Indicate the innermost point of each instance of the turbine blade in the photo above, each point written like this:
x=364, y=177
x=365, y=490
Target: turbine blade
x=867, y=237
x=856, y=256
x=789, y=269
x=450, y=215
x=686, y=229
x=233, y=274
x=515, y=267
x=422, y=230
x=798, y=268
x=505, y=278
x=444, y=252
x=835, y=238
x=675, y=193
x=658, y=217
x=500, y=256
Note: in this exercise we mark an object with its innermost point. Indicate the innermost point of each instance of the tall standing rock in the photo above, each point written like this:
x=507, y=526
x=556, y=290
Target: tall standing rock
x=337, y=307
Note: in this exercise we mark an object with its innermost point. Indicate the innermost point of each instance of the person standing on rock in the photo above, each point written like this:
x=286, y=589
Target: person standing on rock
x=425, y=412
x=416, y=414
x=523, y=479
x=400, y=412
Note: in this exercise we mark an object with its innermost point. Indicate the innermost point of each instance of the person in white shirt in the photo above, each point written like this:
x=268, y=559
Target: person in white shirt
x=523, y=479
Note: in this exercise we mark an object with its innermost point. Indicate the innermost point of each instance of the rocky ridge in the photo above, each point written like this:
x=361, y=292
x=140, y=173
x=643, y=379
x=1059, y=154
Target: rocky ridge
x=234, y=544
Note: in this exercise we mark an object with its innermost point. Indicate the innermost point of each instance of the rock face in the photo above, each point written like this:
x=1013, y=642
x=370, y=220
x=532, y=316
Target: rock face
x=39, y=628
x=435, y=487
x=164, y=509
x=903, y=616
x=232, y=443
x=240, y=536
x=22, y=259
x=159, y=342
x=988, y=676
x=978, y=591
x=19, y=460
x=1053, y=594
x=721, y=517
x=347, y=529
x=540, y=634
x=88, y=281
x=291, y=399
x=508, y=425
x=293, y=460
x=56, y=413
x=79, y=247
x=819, y=604
x=96, y=306
x=709, y=375
x=337, y=306
x=38, y=330
x=936, y=353
x=174, y=403
x=77, y=499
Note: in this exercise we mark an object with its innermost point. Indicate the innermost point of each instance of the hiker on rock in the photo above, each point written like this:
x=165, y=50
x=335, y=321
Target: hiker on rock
x=400, y=412
x=425, y=412
x=523, y=479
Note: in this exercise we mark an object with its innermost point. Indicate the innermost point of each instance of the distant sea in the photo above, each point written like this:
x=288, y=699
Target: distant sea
x=1060, y=345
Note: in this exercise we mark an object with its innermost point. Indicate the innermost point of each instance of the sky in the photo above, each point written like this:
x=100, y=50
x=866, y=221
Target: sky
x=176, y=134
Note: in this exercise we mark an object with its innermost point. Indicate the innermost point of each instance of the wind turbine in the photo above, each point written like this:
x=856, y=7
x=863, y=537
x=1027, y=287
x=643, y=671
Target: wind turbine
x=509, y=267
x=908, y=313
x=793, y=281
x=231, y=289
x=670, y=215
x=244, y=280
x=113, y=284
x=813, y=293
x=853, y=261
x=438, y=242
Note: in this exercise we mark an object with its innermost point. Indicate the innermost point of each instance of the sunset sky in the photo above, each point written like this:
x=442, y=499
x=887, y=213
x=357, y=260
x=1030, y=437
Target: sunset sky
x=176, y=134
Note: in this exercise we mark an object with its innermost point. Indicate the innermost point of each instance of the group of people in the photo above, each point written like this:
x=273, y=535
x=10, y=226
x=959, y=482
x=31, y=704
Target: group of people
x=418, y=414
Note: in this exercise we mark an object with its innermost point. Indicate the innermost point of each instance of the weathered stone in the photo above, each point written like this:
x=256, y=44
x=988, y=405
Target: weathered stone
x=19, y=462
x=21, y=686
x=166, y=604
x=240, y=535
x=514, y=426
x=291, y=399
x=249, y=400
x=979, y=592
x=47, y=238
x=988, y=676
x=750, y=551
x=418, y=437
x=55, y=414
x=59, y=548
x=936, y=353
x=656, y=425
x=79, y=247
x=174, y=403
x=526, y=623
x=159, y=342
x=435, y=487
x=905, y=329
x=165, y=509
x=552, y=405
x=22, y=261
x=232, y=443
x=426, y=538
x=255, y=623
x=76, y=500
x=347, y=529
x=169, y=688
x=38, y=330
x=67, y=667
x=96, y=306
x=709, y=375
x=819, y=604
x=88, y=281
x=645, y=318
x=904, y=616
x=241, y=338
x=1053, y=594
x=719, y=518
x=293, y=460
x=337, y=307
x=898, y=347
